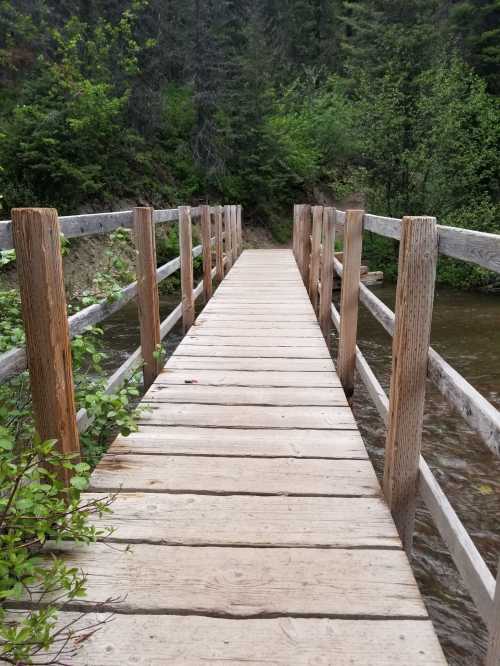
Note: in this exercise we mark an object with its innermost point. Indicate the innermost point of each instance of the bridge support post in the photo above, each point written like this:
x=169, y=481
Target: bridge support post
x=234, y=228
x=228, y=237
x=206, y=239
x=305, y=242
x=37, y=243
x=186, y=254
x=414, y=301
x=240, y=230
x=317, y=228
x=147, y=293
x=353, y=242
x=219, y=245
x=326, y=274
x=493, y=656
x=294, y=229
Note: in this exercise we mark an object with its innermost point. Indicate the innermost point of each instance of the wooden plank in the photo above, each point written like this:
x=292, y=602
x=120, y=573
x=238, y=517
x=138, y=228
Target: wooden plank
x=353, y=241
x=260, y=364
x=43, y=304
x=220, y=377
x=246, y=582
x=176, y=640
x=414, y=300
x=185, y=245
x=228, y=351
x=326, y=273
x=231, y=442
x=244, y=341
x=317, y=225
x=147, y=293
x=251, y=316
x=234, y=229
x=277, y=521
x=206, y=237
x=300, y=327
x=242, y=395
x=260, y=336
x=250, y=416
x=254, y=476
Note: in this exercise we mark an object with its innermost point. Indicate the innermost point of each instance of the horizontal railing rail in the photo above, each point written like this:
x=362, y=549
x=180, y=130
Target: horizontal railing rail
x=421, y=241
x=91, y=224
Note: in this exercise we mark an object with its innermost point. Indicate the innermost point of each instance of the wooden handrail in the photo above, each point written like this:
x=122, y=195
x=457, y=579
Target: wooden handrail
x=476, y=247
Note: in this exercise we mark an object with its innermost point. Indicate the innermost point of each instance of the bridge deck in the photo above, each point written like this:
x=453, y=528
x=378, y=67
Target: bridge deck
x=250, y=526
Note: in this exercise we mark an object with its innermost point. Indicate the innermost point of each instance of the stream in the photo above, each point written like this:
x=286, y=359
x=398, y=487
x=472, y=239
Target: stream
x=466, y=332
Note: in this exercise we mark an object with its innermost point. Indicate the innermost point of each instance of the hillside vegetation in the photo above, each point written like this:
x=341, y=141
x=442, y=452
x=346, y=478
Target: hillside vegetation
x=105, y=102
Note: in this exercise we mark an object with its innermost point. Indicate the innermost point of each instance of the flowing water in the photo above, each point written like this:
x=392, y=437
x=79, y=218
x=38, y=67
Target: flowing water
x=466, y=332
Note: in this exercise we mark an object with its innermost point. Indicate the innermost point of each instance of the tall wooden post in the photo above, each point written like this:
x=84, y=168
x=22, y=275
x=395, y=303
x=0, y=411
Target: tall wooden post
x=186, y=253
x=206, y=241
x=317, y=227
x=294, y=230
x=35, y=232
x=228, y=237
x=493, y=657
x=325, y=301
x=219, y=244
x=234, y=241
x=240, y=230
x=305, y=241
x=410, y=348
x=353, y=241
x=147, y=293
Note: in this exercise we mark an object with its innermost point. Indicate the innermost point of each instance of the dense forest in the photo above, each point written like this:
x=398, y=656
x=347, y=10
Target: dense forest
x=106, y=102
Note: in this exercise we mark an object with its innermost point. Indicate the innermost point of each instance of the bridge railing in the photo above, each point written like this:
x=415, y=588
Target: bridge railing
x=406, y=473
x=34, y=233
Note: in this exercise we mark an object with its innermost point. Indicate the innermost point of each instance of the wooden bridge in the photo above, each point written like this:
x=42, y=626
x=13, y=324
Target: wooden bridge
x=248, y=524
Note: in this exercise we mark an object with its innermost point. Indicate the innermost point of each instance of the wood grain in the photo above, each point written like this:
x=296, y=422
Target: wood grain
x=242, y=395
x=278, y=521
x=206, y=238
x=242, y=442
x=410, y=350
x=305, y=243
x=246, y=582
x=353, y=241
x=43, y=305
x=228, y=237
x=180, y=640
x=259, y=364
x=147, y=293
x=317, y=229
x=249, y=416
x=219, y=244
x=326, y=273
x=243, y=351
x=185, y=246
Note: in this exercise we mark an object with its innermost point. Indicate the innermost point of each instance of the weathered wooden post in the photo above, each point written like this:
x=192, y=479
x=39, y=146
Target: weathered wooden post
x=414, y=300
x=294, y=230
x=353, y=242
x=147, y=293
x=234, y=232
x=219, y=244
x=206, y=241
x=305, y=241
x=35, y=233
x=493, y=656
x=228, y=237
x=240, y=230
x=325, y=301
x=186, y=254
x=317, y=226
